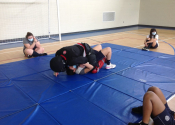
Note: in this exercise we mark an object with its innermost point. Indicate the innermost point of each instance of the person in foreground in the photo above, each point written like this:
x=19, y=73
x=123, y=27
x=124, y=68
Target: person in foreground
x=151, y=40
x=102, y=56
x=156, y=107
x=32, y=47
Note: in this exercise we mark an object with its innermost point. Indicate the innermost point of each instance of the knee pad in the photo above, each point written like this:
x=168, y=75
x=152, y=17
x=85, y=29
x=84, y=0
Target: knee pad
x=100, y=63
x=95, y=70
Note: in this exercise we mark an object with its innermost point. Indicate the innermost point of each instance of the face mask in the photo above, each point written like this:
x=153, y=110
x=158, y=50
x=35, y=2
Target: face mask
x=30, y=40
x=75, y=66
x=153, y=33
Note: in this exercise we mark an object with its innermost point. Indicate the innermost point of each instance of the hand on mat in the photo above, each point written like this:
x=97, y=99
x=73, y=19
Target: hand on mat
x=56, y=74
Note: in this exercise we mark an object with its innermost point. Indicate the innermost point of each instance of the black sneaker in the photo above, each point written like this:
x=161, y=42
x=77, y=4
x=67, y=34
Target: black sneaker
x=138, y=110
x=134, y=124
x=145, y=48
x=137, y=123
x=44, y=54
x=29, y=56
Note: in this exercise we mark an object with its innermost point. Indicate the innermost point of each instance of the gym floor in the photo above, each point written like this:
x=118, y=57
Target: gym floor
x=131, y=38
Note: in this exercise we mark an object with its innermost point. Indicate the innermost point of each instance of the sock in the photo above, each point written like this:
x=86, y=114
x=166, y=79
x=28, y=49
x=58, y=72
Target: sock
x=143, y=123
x=43, y=54
x=167, y=107
x=108, y=62
x=35, y=54
x=134, y=124
x=149, y=45
x=138, y=110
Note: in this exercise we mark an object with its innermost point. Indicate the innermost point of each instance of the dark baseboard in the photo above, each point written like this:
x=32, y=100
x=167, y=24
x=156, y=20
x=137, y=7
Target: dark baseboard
x=154, y=26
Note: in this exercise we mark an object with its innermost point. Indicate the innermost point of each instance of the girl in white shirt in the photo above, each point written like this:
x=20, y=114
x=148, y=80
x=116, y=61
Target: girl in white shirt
x=151, y=40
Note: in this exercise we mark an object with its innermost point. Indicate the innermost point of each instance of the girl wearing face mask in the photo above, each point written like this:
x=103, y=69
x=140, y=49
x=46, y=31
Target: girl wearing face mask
x=151, y=41
x=32, y=46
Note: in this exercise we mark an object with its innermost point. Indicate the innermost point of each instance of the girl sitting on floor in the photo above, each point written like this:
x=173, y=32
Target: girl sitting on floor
x=151, y=40
x=32, y=47
x=155, y=106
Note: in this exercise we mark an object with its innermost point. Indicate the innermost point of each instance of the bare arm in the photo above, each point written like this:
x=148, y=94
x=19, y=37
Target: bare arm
x=37, y=43
x=88, y=68
x=28, y=46
x=146, y=40
x=152, y=40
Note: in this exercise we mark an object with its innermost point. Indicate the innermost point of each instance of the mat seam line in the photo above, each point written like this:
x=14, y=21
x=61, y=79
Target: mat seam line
x=34, y=101
x=17, y=111
x=50, y=114
x=120, y=91
x=63, y=86
x=141, y=82
x=97, y=106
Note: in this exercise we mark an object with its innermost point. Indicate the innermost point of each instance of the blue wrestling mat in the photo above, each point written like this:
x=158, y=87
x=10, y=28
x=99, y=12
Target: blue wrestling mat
x=31, y=95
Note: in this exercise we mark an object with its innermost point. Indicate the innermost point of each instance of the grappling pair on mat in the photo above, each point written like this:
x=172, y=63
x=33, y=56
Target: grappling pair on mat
x=81, y=59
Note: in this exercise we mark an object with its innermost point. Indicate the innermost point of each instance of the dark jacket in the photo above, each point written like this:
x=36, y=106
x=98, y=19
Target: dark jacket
x=73, y=55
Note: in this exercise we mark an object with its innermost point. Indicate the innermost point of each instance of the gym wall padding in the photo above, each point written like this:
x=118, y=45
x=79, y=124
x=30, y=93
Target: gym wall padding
x=32, y=95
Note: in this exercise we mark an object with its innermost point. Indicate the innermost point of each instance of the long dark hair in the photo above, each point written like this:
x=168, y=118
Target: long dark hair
x=152, y=30
x=28, y=34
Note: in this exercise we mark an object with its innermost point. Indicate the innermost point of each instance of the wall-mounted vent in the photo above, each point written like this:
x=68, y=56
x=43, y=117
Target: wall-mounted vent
x=108, y=16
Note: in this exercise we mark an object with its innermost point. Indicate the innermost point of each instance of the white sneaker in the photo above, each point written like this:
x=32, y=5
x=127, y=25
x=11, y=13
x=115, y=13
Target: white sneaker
x=110, y=66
